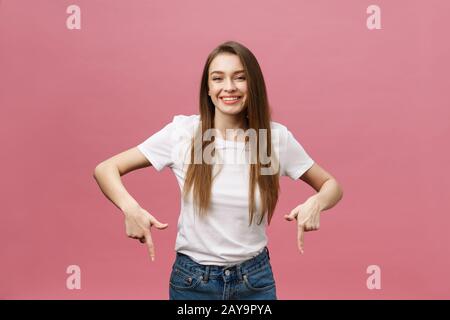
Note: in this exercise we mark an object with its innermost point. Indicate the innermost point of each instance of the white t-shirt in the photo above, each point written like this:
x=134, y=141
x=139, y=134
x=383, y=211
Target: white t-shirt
x=223, y=237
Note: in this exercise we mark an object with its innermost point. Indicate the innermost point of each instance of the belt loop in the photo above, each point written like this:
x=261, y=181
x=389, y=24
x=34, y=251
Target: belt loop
x=268, y=255
x=206, y=275
x=239, y=271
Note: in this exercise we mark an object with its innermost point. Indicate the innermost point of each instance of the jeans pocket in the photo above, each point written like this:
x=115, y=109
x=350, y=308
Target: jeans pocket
x=181, y=279
x=260, y=280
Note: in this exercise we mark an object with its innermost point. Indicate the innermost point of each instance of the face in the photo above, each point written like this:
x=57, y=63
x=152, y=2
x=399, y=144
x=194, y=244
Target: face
x=227, y=84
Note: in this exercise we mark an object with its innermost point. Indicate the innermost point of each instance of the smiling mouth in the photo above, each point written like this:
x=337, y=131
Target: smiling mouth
x=231, y=100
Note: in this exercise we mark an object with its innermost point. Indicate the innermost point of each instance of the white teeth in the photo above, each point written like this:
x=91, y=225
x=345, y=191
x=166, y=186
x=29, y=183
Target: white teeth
x=230, y=99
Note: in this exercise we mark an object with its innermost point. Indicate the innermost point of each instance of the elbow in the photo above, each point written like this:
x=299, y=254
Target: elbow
x=97, y=170
x=103, y=167
x=341, y=192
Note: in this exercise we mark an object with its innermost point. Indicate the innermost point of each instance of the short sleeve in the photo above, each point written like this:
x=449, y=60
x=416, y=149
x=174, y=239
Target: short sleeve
x=295, y=160
x=158, y=147
x=168, y=147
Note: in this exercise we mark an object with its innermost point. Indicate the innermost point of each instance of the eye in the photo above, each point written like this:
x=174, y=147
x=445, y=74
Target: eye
x=240, y=78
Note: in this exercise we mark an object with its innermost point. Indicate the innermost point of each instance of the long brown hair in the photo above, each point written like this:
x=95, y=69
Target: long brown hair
x=199, y=175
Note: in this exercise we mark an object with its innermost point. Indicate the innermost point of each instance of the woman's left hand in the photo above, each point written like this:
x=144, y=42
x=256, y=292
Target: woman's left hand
x=308, y=219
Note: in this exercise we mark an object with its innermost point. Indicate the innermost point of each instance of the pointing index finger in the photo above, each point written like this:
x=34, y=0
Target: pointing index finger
x=150, y=246
x=300, y=237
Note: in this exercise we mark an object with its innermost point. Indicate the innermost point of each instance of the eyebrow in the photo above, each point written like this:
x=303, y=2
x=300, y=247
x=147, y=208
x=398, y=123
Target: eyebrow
x=221, y=72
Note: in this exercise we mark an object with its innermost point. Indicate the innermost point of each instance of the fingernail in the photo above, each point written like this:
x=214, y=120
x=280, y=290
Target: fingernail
x=153, y=258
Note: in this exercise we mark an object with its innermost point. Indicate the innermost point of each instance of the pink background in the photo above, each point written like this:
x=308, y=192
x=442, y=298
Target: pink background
x=370, y=106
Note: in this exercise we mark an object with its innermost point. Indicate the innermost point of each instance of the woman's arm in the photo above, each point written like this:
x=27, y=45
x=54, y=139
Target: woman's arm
x=108, y=173
x=137, y=220
x=307, y=214
x=329, y=192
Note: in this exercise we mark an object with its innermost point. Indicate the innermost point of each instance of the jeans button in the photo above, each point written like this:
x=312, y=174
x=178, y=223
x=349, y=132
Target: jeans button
x=227, y=272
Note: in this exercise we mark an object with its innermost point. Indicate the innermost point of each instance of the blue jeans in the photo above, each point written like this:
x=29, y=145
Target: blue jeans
x=250, y=280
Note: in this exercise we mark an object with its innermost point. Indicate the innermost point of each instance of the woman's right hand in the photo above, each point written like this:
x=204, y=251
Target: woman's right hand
x=138, y=223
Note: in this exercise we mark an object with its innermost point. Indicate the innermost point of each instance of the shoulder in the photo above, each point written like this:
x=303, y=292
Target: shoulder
x=277, y=126
x=186, y=120
x=185, y=123
x=279, y=131
x=184, y=126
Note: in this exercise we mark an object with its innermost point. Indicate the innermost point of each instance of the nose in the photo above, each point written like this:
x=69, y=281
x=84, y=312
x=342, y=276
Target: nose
x=229, y=86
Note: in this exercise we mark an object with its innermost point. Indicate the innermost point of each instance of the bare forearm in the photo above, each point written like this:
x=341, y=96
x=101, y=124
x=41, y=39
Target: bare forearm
x=329, y=195
x=109, y=180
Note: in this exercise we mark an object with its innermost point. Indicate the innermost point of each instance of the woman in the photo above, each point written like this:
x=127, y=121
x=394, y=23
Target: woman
x=229, y=176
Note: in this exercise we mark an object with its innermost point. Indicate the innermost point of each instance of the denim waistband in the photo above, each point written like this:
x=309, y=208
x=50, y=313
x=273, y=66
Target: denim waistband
x=249, y=266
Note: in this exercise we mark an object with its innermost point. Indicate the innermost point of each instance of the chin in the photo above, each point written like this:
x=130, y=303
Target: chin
x=231, y=111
